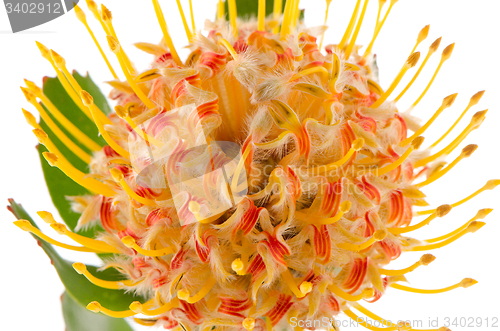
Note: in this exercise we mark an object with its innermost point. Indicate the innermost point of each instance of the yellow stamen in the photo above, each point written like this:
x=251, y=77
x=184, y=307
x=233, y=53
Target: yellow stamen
x=465, y=283
x=221, y=12
x=92, y=6
x=46, y=54
x=262, y=15
x=184, y=295
x=473, y=227
x=96, y=307
x=229, y=47
x=287, y=19
x=317, y=69
x=191, y=11
x=248, y=323
x=361, y=321
x=447, y=102
x=79, y=177
x=297, y=290
x=466, y=152
x=377, y=236
x=328, y=2
x=139, y=308
x=415, y=144
x=344, y=208
x=238, y=266
x=475, y=122
x=81, y=17
x=444, y=56
x=26, y=226
x=295, y=13
x=80, y=153
x=373, y=316
x=113, y=285
x=490, y=185
x=410, y=63
x=88, y=101
x=350, y=26
x=107, y=19
x=124, y=114
x=130, y=242
x=120, y=179
x=44, y=139
x=350, y=47
x=441, y=211
x=115, y=47
x=67, y=124
x=189, y=34
x=424, y=260
x=365, y=294
x=46, y=217
x=356, y=146
x=166, y=35
x=278, y=5
x=432, y=49
x=473, y=101
x=87, y=242
x=233, y=13
x=480, y=215
x=379, y=27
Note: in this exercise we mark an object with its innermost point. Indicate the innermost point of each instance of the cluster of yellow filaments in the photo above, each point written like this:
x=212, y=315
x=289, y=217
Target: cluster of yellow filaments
x=302, y=222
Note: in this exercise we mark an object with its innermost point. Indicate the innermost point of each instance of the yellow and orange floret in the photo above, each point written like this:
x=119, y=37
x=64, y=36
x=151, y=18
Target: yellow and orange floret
x=332, y=174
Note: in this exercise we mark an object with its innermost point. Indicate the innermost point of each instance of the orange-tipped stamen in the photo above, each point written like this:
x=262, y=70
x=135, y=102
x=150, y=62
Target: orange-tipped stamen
x=96, y=307
x=415, y=144
x=432, y=49
x=166, y=35
x=466, y=152
x=43, y=138
x=87, y=242
x=444, y=56
x=67, y=124
x=490, y=185
x=81, y=17
x=377, y=236
x=350, y=26
x=184, y=295
x=115, y=47
x=426, y=259
x=26, y=226
x=350, y=47
x=465, y=283
x=473, y=227
x=481, y=214
x=473, y=101
x=410, y=63
x=80, y=153
x=130, y=242
x=447, y=102
x=113, y=285
x=441, y=211
x=120, y=179
x=79, y=177
x=107, y=19
x=65, y=83
x=88, y=101
x=365, y=294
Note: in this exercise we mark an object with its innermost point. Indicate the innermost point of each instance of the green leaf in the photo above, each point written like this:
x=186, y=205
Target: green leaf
x=77, y=285
x=249, y=8
x=60, y=186
x=77, y=318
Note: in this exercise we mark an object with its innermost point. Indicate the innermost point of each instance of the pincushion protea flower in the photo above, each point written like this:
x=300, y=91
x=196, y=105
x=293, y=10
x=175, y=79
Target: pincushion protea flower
x=299, y=222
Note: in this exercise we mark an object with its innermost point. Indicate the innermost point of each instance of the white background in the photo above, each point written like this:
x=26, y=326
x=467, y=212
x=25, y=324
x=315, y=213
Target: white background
x=30, y=289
